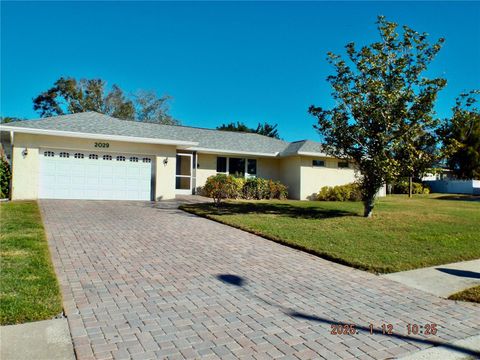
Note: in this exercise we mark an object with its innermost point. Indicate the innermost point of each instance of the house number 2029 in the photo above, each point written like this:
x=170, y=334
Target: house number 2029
x=102, y=145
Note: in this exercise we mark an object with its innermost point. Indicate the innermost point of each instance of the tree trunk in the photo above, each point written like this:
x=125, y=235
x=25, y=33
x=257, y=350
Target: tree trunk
x=410, y=186
x=368, y=207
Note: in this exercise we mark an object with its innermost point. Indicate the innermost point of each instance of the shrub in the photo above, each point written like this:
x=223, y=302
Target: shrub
x=255, y=188
x=258, y=189
x=223, y=186
x=5, y=177
x=348, y=192
x=237, y=183
x=277, y=190
x=401, y=187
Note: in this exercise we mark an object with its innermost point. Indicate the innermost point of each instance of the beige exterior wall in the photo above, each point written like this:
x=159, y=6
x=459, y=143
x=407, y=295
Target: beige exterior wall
x=207, y=166
x=268, y=168
x=26, y=168
x=296, y=172
x=165, y=174
x=290, y=175
x=314, y=178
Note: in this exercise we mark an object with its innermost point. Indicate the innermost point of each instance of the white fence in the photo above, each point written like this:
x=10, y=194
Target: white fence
x=471, y=187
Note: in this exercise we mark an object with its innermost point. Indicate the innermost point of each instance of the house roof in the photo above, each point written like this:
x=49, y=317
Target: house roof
x=96, y=125
x=304, y=147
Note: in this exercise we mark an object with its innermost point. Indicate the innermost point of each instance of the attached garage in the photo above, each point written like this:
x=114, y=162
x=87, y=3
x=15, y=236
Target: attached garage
x=67, y=174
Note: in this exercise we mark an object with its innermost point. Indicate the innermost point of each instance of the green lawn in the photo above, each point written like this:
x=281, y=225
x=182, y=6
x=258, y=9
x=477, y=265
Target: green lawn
x=472, y=294
x=28, y=286
x=403, y=234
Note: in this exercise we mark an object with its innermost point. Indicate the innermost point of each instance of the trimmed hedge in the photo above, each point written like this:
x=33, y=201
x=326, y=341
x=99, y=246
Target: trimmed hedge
x=348, y=192
x=223, y=186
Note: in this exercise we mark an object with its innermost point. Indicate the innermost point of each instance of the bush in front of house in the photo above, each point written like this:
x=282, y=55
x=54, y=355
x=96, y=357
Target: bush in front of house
x=221, y=186
x=277, y=190
x=5, y=178
x=401, y=187
x=348, y=192
x=258, y=189
x=255, y=188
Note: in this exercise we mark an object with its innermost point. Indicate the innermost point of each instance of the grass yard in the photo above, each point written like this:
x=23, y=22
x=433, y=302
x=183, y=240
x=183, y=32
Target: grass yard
x=29, y=289
x=403, y=234
x=472, y=294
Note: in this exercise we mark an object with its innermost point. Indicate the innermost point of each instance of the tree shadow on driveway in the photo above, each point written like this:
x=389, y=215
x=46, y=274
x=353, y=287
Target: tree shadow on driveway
x=241, y=282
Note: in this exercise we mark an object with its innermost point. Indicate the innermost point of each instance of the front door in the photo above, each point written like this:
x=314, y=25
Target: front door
x=183, y=177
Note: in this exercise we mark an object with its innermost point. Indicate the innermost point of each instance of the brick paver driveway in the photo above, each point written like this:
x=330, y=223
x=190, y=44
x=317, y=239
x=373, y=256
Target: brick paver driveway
x=144, y=282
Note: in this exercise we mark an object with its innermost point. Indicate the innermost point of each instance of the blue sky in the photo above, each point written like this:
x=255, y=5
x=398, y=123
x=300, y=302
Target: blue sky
x=221, y=61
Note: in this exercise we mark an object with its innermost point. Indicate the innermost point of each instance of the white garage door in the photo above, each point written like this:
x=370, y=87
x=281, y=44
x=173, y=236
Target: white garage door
x=67, y=174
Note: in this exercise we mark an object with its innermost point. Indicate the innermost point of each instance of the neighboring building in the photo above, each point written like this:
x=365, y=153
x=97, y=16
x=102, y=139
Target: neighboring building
x=439, y=174
x=94, y=156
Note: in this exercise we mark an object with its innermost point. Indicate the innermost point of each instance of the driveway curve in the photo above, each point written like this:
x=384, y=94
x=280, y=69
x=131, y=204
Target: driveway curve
x=146, y=281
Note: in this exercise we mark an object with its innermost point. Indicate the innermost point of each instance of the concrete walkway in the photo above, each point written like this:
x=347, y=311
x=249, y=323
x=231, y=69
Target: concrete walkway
x=446, y=353
x=442, y=280
x=41, y=340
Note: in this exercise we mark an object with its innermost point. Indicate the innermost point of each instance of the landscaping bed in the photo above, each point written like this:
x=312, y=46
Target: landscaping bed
x=404, y=233
x=29, y=289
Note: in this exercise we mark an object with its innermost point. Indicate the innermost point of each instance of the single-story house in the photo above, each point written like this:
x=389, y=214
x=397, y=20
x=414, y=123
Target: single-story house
x=95, y=156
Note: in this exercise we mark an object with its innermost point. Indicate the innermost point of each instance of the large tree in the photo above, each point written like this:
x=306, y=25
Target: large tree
x=383, y=103
x=153, y=109
x=68, y=95
x=265, y=129
x=460, y=137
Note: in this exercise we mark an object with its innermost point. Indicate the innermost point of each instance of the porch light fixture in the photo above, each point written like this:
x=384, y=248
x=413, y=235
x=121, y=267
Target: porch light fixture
x=165, y=161
x=25, y=152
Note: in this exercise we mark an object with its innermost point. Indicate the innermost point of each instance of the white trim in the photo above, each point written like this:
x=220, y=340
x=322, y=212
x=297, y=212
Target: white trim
x=96, y=136
x=230, y=152
x=307, y=153
x=185, y=191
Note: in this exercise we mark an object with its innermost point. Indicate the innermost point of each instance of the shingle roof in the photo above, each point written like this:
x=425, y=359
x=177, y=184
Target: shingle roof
x=207, y=139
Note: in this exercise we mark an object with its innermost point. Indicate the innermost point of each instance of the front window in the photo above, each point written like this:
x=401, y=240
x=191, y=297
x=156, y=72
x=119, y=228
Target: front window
x=252, y=167
x=221, y=164
x=236, y=167
x=318, y=163
x=343, y=164
x=239, y=167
